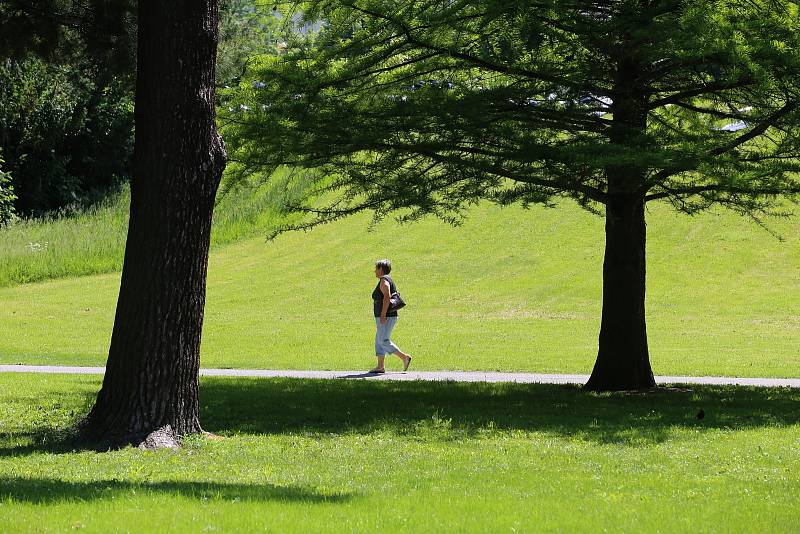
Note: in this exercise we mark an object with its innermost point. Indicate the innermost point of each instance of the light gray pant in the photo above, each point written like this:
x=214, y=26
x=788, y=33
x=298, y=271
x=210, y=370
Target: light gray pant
x=384, y=345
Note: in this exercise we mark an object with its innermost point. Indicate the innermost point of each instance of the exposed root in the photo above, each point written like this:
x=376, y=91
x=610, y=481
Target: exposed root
x=161, y=438
x=103, y=440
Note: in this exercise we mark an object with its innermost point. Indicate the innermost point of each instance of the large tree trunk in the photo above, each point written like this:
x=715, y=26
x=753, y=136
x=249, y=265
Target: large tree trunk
x=623, y=361
x=150, y=391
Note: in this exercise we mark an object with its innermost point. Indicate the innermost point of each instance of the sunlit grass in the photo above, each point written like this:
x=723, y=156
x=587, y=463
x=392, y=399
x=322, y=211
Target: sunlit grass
x=356, y=456
x=92, y=241
x=510, y=290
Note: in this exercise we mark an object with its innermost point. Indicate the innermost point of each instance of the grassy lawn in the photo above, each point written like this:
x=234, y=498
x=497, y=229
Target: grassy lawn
x=93, y=241
x=509, y=290
x=345, y=456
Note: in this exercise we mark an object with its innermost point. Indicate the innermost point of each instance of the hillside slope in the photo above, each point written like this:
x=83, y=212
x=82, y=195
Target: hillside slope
x=511, y=289
x=92, y=240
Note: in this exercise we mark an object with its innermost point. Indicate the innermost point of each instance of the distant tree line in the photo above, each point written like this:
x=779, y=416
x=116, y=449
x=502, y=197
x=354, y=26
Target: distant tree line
x=67, y=81
x=66, y=106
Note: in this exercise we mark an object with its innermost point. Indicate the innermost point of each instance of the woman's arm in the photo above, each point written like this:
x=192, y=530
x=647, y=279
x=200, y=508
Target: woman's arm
x=386, y=298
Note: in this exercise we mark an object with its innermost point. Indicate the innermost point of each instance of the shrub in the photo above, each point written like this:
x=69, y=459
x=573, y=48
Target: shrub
x=66, y=131
x=7, y=196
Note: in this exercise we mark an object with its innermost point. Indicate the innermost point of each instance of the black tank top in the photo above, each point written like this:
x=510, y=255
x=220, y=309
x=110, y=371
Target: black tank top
x=377, y=297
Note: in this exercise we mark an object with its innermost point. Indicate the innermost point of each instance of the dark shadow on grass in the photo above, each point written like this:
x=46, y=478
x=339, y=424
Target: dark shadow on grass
x=448, y=411
x=43, y=440
x=44, y=490
x=454, y=410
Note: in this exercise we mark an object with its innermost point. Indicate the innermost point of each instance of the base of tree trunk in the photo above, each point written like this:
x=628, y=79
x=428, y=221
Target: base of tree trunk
x=160, y=438
x=629, y=390
x=618, y=382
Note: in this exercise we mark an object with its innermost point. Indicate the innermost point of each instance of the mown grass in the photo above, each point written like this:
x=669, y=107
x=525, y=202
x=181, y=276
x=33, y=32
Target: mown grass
x=92, y=241
x=356, y=456
x=510, y=290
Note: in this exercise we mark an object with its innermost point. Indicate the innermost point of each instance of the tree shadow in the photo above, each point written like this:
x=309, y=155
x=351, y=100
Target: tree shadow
x=44, y=490
x=40, y=440
x=463, y=410
x=449, y=411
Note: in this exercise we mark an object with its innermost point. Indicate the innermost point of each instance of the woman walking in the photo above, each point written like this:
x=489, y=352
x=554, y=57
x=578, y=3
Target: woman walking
x=385, y=319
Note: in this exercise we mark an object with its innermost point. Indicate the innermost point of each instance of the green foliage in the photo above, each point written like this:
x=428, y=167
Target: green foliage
x=59, y=30
x=246, y=29
x=426, y=107
x=371, y=456
x=66, y=130
x=7, y=196
x=66, y=99
x=66, y=92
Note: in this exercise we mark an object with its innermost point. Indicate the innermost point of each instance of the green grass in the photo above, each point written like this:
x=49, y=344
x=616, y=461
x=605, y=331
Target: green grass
x=361, y=456
x=87, y=242
x=93, y=241
x=510, y=290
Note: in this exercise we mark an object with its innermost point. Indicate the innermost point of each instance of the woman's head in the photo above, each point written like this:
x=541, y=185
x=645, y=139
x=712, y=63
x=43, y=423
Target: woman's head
x=383, y=267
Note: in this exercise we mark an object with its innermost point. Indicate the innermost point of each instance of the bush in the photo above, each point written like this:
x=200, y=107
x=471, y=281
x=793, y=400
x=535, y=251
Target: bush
x=66, y=131
x=7, y=196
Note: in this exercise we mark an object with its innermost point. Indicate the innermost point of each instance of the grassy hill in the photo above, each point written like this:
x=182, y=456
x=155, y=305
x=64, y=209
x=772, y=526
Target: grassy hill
x=512, y=289
x=92, y=241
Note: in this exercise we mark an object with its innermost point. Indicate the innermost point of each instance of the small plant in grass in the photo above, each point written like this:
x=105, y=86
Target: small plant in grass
x=437, y=427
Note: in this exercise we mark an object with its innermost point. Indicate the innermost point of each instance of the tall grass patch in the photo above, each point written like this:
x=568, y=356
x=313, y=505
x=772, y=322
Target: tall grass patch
x=92, y=240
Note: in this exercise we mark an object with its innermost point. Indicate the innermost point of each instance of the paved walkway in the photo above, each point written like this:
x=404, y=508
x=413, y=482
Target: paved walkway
x=455, y=376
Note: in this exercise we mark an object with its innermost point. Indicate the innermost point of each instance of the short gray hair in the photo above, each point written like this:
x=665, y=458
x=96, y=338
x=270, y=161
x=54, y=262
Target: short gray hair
x=385, y=265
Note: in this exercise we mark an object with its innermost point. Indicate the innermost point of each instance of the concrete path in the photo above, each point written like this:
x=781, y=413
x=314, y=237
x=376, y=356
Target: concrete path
x=455, y=376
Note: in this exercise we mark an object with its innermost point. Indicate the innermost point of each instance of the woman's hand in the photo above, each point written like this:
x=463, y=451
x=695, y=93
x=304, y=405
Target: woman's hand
x=383, y=320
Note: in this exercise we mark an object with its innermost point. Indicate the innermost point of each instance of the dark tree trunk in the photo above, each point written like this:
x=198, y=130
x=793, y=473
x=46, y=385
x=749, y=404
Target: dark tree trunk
x=150, y=391
x=623, y=361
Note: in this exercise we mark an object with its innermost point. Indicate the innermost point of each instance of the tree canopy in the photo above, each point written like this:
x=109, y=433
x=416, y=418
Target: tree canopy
x=433, y=104
x=67, y=75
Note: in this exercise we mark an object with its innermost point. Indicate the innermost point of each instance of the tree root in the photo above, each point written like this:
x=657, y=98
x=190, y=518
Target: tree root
x=164, y=437
x=161, y=438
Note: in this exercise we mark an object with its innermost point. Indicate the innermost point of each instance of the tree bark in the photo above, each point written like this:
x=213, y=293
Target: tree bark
x=150, y=390
x=623, y=360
